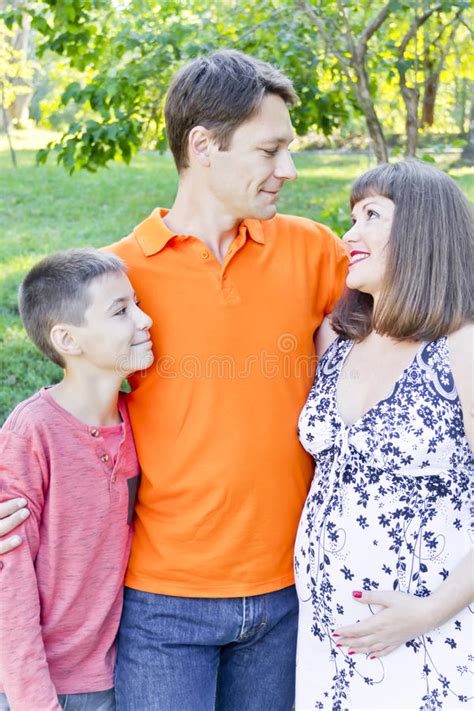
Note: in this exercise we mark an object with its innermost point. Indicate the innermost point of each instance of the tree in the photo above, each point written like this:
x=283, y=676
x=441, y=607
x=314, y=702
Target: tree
x=16, y=71
x=339, y=53
x=355, y=33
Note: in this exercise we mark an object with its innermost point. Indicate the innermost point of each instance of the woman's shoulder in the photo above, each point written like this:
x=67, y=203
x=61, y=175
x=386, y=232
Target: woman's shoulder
x=462, y=339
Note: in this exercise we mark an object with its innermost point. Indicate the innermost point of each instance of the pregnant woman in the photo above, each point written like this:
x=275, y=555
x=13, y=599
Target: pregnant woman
x=383, y=557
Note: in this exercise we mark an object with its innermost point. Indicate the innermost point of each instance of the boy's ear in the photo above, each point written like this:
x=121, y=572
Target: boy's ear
x=62, y=338
x=199, y=144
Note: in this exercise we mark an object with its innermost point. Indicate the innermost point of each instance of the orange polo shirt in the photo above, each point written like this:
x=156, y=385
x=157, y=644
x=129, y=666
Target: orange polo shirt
x=224, y=477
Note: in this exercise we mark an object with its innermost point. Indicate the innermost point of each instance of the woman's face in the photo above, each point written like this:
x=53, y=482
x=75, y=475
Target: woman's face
x=366, y=243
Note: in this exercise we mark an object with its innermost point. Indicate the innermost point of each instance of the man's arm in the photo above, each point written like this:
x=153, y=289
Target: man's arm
x=24, y=670
x=12, y=514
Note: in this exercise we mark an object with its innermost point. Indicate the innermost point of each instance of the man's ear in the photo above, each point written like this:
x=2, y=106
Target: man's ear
x=63, y=340
x=199, y=145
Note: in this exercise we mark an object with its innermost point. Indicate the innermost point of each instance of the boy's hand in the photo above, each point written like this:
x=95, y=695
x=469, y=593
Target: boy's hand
x=12, y=513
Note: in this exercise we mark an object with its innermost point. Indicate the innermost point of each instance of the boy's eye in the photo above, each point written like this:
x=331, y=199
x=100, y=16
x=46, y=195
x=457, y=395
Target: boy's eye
x=270, y=151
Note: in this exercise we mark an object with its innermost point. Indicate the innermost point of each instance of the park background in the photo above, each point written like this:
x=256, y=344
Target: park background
x=82, y=145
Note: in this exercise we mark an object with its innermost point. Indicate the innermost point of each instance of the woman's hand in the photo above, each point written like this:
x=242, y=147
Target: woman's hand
x=12, y=514
x=404, y=617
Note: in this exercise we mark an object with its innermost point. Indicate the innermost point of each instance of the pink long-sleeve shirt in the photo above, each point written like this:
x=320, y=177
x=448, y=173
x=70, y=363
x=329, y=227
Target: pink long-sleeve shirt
x=61, y=590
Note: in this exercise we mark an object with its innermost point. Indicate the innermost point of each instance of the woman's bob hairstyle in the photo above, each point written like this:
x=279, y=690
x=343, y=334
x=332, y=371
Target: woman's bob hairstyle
x=427, y=291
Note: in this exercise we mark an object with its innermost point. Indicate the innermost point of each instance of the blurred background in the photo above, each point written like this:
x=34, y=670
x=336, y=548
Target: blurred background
x=83, y=153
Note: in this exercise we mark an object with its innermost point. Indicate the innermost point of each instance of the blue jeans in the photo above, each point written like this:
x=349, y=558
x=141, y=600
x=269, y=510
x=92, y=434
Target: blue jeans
x=201, y=654
x=91, y=701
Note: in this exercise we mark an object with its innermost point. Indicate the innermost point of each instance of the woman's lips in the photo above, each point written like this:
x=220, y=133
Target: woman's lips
x=356, y=256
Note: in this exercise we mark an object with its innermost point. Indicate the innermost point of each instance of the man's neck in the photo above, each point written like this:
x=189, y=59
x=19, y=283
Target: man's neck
x=92, y=400
x=202, y=216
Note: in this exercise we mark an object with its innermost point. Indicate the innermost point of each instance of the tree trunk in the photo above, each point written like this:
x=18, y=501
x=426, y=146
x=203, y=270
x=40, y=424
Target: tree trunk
x=461, y=102
x=410, y=97
x=430, y=89
x=467, y=155
x=429, y=99
x=366, y=103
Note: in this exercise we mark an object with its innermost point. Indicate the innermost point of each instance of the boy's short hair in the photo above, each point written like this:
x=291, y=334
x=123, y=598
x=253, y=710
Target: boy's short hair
x=219, y=91
x=55, y=291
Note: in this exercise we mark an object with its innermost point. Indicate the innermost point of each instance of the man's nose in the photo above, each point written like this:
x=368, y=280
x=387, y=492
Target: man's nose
x=285, y=168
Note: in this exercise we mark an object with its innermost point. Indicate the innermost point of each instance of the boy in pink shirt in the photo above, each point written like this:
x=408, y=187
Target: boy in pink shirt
x=69, y=451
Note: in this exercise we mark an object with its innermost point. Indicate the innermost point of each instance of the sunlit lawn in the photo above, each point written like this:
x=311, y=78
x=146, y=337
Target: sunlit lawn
x=43, y=209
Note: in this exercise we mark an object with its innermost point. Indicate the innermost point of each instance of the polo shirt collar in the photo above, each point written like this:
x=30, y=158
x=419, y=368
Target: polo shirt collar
x=153, y=235
x=254, y=230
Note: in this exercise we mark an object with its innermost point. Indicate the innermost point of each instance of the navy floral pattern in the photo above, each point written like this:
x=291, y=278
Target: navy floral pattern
x=388, y=509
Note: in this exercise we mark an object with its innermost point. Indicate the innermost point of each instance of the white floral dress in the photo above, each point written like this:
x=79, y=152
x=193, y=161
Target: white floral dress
x=388, y=509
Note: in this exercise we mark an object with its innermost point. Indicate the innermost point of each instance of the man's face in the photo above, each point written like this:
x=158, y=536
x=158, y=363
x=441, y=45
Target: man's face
x=246, y=179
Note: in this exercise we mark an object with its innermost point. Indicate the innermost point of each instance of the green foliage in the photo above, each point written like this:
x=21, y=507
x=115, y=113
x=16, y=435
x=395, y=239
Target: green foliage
x=121, y=56
x=16, y=70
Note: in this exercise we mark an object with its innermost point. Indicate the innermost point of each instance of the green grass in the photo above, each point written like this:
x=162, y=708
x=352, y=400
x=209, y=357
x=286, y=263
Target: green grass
x=43, y=209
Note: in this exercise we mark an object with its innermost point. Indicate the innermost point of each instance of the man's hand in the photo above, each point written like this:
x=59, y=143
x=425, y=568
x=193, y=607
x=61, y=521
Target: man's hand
x=12, y=513
x=402, y=618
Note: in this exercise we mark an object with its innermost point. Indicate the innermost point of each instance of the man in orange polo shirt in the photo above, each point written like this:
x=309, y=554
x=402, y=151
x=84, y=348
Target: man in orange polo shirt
x=236, y=293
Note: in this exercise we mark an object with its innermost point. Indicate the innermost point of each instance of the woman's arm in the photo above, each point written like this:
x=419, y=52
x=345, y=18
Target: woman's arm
x=323, y=337
x=406, y=616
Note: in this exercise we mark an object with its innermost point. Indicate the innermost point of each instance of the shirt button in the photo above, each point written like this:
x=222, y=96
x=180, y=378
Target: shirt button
x=204, y=254
x=1, y=565
x=114, y=479
x=95, y=433
x=104, y=458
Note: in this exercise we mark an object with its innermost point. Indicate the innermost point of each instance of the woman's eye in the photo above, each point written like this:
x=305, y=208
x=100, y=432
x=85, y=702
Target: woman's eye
x=121, y=312
x=270, y=152
x=371, y=214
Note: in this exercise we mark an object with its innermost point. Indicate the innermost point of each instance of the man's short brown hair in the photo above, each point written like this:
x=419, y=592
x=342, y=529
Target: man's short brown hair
x=55, y=291
x=219, y=91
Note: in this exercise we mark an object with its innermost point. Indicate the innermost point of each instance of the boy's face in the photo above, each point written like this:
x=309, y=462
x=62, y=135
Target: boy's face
x=115, y=335
x=247, y=178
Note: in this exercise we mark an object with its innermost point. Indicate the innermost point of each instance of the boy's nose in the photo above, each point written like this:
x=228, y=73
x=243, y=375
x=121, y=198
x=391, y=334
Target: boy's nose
x=144, y=321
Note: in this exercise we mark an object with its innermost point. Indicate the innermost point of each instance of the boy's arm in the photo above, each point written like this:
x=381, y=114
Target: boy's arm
x=24, y=670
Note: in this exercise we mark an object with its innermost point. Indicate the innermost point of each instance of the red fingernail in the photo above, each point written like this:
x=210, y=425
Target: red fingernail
x=335, y=634
x=350, y=652
x=356, y=593
x=338, y=645
x=372, y=657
